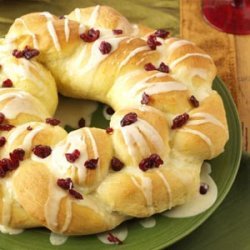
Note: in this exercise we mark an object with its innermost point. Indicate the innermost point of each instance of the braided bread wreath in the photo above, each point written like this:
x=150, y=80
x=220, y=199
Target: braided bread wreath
x=168, y=120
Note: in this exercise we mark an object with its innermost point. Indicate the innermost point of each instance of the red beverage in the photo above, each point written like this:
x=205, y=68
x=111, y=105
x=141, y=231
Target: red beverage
x=231, y=16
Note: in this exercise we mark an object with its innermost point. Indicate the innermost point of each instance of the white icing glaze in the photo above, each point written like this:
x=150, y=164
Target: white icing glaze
x=81, y=29
x=9, y=230
x=19, y=102
x=35, y=42
x=151, y=134
x=66, y=29
x=68, y=216
x=75, y=140
x=120, y=232
x=144, y=184
x=51, y=30
x=148, y=222
x=168, y=188
x=142, y=82
x=182, y=58
x=199, y=203
x=134, y=138
x=96, y=57
x=176, y=45
x=27, y=140
x=132, y=54
x=52, y=205
x=204, y=137
x=94, y=15
x=38, y=77
x=57, y=239
x=78, y=14
x=146, y=187
x=154, y=88
x=207, y=118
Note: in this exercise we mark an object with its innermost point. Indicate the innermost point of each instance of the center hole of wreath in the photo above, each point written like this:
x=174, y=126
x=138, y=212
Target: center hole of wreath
x=70, y=111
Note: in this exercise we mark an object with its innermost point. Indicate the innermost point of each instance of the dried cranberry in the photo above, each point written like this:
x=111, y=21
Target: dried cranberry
x=110, y=111
x=149, y=67
x=75, y=194
x=29, y=53
x=116, y=164
x=18, y=53
x=2, y=141
x=145, y=98
x=2, y=117
x=194, y=101
x=105, y=47
x=117, y=31
x=153, y=161
x=180, y=120
x=90, y=35
x=17, y=154
x=163, y=68
x=109, y=130
x=42, y=151
x=91, y=164
x=161, y=33
x=81, y=123
x=129, y=119
x=204, y=188
x=65, y=183
x=113, y=239
x=52, y=121
x=29, y=128
x=7, y=83
x=6, y=127
x=152, y=42
x=61, y=17
x=72, y=157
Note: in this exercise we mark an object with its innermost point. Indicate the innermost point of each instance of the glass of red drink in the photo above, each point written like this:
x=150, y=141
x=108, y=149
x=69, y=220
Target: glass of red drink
x=231, y=16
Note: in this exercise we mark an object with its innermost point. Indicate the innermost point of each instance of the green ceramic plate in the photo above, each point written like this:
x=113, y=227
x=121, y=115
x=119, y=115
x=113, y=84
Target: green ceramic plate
x=167, y=230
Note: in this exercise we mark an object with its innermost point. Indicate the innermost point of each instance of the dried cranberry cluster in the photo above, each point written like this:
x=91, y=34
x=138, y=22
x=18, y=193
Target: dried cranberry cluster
x=67, y=184
x=11, y=163
x=153, y=161
x=72, y=157
x=27, y=53
x=92, y=35
x=89, y=164
x=162, y=67
x=152, y=41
